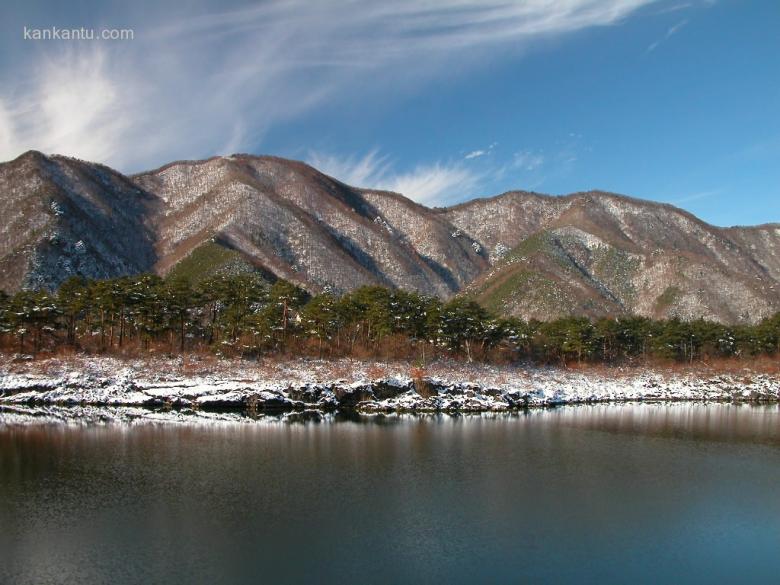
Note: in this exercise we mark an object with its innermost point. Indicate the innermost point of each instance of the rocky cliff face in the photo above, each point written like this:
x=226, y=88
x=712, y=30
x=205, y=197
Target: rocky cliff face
x=519, y=253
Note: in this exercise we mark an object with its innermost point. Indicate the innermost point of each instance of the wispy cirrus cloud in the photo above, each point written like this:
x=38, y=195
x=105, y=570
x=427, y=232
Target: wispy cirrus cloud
x=438, y=183
x=64, y=107
x=480, y=152
x=676, y=8
x=475, y=154
x=699, y=195
x=6, y=130
x=672, y=30
x=451, y=180
x=527, y=160
x=220, y=79
x=370, y=170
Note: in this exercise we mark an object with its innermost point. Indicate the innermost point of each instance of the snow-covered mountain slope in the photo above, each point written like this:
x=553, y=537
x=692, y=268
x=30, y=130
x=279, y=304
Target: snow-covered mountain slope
x=598, y=253
x=61, y=217
x=294, y=222
x=519, y=253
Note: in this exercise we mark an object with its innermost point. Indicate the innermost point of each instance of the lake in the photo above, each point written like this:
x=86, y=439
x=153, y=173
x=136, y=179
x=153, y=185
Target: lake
x=633, y=493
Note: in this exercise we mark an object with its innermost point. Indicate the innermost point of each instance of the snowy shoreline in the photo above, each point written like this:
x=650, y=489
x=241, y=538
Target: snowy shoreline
x=322, y=386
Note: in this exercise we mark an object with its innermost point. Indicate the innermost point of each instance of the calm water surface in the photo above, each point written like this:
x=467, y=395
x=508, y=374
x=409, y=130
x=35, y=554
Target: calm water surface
x=647, y=493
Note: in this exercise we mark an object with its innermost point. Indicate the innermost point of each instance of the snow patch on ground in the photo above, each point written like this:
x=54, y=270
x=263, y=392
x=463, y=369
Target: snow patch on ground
x=370, y=387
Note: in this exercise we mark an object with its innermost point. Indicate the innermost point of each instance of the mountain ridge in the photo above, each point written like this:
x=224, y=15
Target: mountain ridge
x=521, y=253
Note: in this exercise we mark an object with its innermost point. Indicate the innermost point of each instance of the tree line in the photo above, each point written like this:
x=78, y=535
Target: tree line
x=245, y=316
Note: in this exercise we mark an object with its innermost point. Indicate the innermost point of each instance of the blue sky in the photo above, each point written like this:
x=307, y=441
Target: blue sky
x=675, y=101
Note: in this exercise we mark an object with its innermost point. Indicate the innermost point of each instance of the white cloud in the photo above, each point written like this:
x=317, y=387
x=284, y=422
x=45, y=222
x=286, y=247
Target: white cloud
x=670, y=31
x=675, y=28
x=368, y=171
x=530, y=168
x=436, y=184
x=78, y=104
x=480, y=152
x=433, y=184
x=676, y=8
x=527, y=160
x=697, y=196
x=7, y=131
x=221, y=79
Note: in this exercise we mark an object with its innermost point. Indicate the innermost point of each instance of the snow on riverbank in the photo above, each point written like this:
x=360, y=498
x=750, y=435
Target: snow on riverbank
x=91, y=416
x=297, y=386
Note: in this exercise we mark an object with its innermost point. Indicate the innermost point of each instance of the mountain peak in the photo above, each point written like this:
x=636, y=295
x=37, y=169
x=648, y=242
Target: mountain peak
x=28, y=157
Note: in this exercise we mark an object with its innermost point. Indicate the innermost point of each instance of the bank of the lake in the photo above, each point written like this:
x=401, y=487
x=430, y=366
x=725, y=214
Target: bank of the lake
x=369, y=387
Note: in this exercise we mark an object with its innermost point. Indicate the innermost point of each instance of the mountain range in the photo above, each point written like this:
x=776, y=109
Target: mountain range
x=519, y=253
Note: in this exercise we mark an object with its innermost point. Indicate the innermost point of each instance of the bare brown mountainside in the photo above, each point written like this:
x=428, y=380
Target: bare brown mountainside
x=60, y=216
x=598, y=253
x=520, y=253
x=294, y=222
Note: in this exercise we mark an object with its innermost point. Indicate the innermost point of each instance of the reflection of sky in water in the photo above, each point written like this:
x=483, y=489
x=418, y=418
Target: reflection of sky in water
x=609, y=493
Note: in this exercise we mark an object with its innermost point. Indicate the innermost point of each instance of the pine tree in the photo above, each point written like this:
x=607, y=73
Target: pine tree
x=369, y=308
x=321, y=319
x=464, y=323
x=179, y=300
x=146, y=306
x=239, y=303
x=73, y=299
x=5, y=326
x=519, y=334
x=766, y=336
x=212, y=298
x=284, y=303
x=231, y=308
x=568, y=338
x=33, y=312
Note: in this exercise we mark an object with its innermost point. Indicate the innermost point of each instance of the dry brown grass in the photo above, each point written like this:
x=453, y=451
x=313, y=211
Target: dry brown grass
x=376, y=372
x=421, y=385
x=201, y=360
x=340, y=371
x=199, y=364
x=759, y=365
x=417, y=373
x=501, y=379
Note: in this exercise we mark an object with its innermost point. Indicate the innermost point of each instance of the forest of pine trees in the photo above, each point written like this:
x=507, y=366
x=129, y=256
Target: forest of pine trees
x=244, y=316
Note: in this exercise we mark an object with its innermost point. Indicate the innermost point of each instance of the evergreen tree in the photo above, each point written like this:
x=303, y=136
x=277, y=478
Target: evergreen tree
x=5, y=326
x=236, y=302
x=766, y=336
x=145, y=300
x=180, y=300
x=284, y=303
x=464, y=323
x=369, y=308
x=73, y=299
x=569, y=338
x=409, y=314
x=321, y=319
x=519, y=334
x=33, y=313
x=102, y=304
x=229, y=309
x=212, y=298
